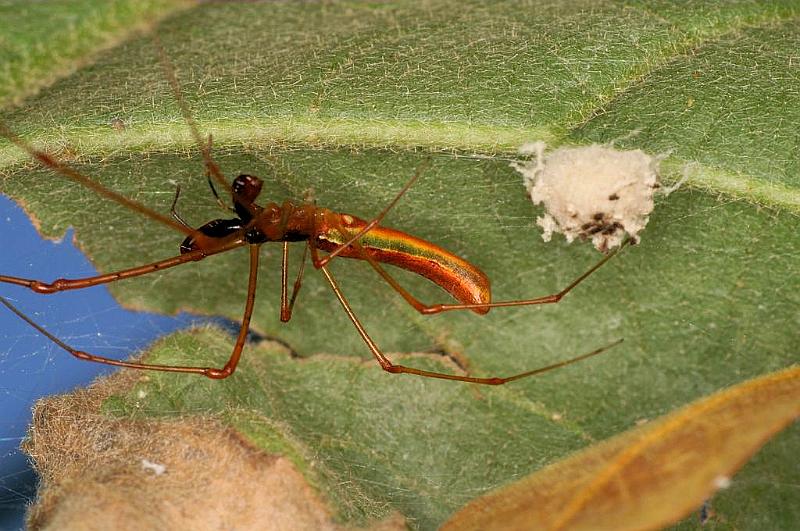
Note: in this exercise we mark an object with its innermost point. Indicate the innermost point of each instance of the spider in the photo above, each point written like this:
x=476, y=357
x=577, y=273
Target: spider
x=334, y=233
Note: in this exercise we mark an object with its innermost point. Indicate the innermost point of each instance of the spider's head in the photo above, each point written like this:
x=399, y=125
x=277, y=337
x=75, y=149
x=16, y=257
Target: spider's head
x=245, y=189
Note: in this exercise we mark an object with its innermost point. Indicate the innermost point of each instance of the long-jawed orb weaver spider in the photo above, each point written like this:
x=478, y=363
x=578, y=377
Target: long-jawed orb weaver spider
x=322, y=229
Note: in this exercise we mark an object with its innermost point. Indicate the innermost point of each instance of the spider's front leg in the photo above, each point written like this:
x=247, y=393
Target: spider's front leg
x=65, y=284
x=211, y=372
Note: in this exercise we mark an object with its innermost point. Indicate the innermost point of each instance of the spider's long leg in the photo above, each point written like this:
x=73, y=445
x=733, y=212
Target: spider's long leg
x=64, y=284
x=91, y=357
x=211, y=372
x=57, y=166
x=298, y=281
x=287, y=304
x=546, y=299
x=173, y=210
x=376, y=220
x=205, y=147
x=388, y=366
x=221, y=204
x=427, y=309
x=252, y=282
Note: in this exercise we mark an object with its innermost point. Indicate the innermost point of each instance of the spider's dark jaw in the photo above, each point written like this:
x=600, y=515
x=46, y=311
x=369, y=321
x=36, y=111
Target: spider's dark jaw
x=188, y=245
x=214, y=229
x=245, y=189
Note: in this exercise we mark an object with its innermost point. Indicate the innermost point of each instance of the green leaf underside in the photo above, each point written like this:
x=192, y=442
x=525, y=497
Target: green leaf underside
x=391, y=76
x=330, y=99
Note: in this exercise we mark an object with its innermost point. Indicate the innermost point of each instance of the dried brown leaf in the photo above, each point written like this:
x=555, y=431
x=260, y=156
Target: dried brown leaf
x=104, y=472
x=650, y=476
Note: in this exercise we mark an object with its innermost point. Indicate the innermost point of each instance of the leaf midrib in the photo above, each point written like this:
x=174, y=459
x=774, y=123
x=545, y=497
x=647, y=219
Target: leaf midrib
x=333, y=133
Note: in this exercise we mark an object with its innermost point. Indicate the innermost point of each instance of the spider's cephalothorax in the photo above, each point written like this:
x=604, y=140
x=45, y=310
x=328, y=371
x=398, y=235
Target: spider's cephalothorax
x=244, y=190
x=214, y=229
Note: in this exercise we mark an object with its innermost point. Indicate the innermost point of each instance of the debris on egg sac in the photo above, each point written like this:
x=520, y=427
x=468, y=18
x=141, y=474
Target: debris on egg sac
x=591, y=192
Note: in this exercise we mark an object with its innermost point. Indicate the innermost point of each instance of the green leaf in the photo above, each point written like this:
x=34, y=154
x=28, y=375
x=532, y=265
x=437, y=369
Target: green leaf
x=347, y=100
x=42, y=41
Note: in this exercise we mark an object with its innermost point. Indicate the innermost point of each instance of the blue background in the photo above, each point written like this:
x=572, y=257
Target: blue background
x=30, y=365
